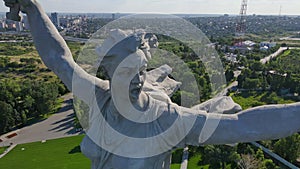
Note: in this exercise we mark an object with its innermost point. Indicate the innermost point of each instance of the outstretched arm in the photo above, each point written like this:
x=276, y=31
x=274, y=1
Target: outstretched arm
x=55, y=53
x=259, y=123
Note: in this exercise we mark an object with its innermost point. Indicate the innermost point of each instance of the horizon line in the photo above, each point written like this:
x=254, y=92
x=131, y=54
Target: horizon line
x=132, y=13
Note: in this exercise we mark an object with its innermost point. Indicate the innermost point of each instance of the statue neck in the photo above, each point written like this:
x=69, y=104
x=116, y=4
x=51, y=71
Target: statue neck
x=142, y=102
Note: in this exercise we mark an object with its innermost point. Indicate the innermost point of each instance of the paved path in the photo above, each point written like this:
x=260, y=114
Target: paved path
x=289, y=38
x=56, y=126
x=274, y=55
x=8, y=150
x=235, y=83
x=185, y=158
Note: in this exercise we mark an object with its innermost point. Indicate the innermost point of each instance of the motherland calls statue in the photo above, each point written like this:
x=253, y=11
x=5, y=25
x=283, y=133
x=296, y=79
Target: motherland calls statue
x=132, y=122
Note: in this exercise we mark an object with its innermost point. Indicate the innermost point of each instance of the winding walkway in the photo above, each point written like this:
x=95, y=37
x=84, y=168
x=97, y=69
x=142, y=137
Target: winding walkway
x=277, y=53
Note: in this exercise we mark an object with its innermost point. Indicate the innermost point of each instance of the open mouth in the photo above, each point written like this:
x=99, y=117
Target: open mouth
x=136, y=86
x=135, y=89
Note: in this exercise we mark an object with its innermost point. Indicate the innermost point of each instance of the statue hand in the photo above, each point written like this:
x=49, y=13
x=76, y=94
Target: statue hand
x=223, y=105
x=18, y=5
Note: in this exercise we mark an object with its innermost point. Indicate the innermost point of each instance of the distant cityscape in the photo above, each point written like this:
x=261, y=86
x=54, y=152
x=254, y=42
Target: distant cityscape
x=73, y=20
x=253, y=74
x=82, y=25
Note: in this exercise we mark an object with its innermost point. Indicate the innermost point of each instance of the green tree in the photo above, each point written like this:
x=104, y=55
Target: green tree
x=250, y=83
x=7, y=120
x=229, y=75
x=259, y=154
x=269, y=164
x=256, y=66
x=45, y=95
x=220, y=156
x=270, y=98
x=9, y=91
x=288, y=148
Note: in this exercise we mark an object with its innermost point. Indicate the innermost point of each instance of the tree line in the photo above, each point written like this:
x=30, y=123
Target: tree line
x=280, y=75
x=28, y=90
x=22, y=100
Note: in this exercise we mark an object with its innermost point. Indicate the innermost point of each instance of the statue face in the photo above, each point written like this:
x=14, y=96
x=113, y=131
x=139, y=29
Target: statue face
x=126, y=62
x=129, y=76
x=137, y=84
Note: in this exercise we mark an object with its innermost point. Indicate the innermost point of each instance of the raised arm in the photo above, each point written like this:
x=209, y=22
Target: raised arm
x=259, y=123
x=55, y=53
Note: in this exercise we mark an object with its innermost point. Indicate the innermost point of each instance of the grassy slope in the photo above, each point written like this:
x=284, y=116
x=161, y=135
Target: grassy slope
x=253, y=99
x=2, y=149
x=54, y=154
x=59, y=154
x=20, y=52
x=192, y=163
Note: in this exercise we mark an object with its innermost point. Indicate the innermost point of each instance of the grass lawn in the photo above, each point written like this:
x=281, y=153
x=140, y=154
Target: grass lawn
x=2, y=149
x=192, y=163
x=60, y=154
x=253, y=99
x=54, y=154
x=175, y=166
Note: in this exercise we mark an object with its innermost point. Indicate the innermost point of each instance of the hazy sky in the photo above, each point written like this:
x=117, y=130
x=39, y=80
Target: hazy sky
x=288, y=7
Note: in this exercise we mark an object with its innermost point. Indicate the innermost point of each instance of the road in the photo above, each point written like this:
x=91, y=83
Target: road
x=56, y=126
x=69, y=38
x=289, y=38
x=277, y=53
x=235, y=83
x=273, y=55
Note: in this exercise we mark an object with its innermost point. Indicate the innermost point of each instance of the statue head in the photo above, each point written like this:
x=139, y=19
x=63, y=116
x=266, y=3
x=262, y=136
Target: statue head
x=125, y=55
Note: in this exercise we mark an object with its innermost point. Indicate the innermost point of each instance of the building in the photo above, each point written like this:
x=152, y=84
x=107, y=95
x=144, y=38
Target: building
x=267, y=45
x=55, y=19
x=64, y=22
x=26, y=22
x=249, y=43
x=231, y=57
x=10, y=25
x=19, y=26
x=2, y=24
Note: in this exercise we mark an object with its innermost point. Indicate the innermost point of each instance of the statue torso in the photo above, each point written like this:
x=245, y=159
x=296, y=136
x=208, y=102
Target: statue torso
x=102, y=159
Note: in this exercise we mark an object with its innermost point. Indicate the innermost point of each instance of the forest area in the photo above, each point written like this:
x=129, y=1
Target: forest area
x=29, y=92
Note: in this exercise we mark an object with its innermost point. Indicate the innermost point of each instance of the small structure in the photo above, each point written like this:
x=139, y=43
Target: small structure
x=267, y=45
x=249, y=43
x=231, y=57
x=273, y=72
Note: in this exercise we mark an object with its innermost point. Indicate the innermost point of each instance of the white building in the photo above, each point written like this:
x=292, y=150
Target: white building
x=249, y=43
x=25, y=22
x=267, y=45
x=2, y=24
x=19, y=26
